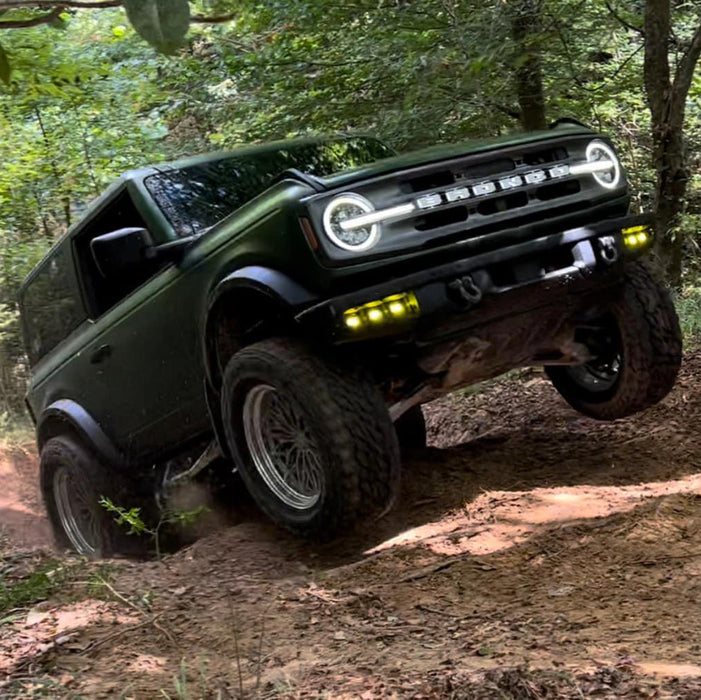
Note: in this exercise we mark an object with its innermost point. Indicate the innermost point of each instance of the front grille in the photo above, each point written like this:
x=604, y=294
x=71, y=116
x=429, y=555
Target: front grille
x=483, y=200
x=540, y=198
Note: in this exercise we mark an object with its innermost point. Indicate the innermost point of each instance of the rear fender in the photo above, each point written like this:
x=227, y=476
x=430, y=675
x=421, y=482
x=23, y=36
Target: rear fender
x=67, y=416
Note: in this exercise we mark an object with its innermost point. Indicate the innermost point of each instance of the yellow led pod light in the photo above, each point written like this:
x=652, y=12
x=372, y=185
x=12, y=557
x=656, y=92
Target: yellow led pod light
x=392, y=309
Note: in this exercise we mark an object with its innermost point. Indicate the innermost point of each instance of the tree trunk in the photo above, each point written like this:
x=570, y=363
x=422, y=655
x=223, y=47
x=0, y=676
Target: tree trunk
x=672, y=180
x=528, y=73
x=666, y=97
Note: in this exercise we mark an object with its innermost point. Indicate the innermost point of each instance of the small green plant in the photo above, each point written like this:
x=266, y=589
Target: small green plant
x=132, y=520
x=180, y=683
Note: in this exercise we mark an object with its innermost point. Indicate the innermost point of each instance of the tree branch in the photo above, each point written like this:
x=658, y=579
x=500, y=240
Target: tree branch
x=35, y=21
x=623, y=21
x=687, y=65
x=25, y=4
x=217, y=19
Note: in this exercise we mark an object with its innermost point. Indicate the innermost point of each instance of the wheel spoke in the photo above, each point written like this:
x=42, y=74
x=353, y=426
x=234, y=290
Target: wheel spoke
x=282, y=447
x=75, y=508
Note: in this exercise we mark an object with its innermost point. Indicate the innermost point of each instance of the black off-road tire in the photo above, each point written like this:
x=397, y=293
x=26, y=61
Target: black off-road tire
x=411, y=429
x=651, y=351
x=68, y=453
x=347, y=419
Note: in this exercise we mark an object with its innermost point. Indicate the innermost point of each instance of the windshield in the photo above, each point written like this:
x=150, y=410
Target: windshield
x=199, y=196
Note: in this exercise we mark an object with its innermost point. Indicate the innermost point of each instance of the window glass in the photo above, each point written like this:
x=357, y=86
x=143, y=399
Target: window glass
x=105, y=292
x=197, y=197
x=51, y=305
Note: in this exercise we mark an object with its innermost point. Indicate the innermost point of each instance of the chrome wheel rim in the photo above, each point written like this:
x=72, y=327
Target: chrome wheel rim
x=282, y=448
x=76, y=512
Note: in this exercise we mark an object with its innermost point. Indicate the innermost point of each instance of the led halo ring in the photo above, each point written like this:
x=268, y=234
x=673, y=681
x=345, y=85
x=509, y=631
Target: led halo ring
x=366, y=206
x=608, y=152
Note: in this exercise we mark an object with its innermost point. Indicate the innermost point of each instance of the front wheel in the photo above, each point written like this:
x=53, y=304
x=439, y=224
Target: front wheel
x=637, y=348
x=312, y=439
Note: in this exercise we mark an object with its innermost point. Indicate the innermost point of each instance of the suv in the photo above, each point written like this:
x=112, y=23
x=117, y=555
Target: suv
x=286, y=309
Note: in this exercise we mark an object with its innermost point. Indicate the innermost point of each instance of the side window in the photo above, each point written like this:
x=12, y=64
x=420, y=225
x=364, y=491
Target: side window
x=51, y=305
x=102, y=293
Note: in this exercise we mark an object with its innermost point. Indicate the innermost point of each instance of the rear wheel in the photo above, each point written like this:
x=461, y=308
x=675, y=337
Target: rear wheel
x=637, y=350
x=313, y=440
x=72, y=482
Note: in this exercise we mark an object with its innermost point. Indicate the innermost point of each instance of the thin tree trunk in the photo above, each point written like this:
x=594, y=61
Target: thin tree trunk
x=528, y=73
x=666, y=97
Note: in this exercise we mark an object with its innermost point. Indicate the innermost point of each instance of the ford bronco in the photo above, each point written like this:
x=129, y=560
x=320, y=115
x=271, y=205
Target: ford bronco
x=284, y=310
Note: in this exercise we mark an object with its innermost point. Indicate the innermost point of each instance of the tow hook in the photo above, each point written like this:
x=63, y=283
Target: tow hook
x=464, y=291
x=607, y=246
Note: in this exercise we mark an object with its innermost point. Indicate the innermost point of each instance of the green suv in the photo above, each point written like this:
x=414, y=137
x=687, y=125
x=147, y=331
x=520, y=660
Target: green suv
x=284, y=310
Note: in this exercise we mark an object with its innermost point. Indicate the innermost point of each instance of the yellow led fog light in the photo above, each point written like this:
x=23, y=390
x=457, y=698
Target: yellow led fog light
x=636, y=236
x=374, y=312
x=385, y=311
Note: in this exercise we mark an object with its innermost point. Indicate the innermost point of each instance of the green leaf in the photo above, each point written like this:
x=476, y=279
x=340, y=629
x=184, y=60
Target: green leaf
x=163, y=23
x=5, y=67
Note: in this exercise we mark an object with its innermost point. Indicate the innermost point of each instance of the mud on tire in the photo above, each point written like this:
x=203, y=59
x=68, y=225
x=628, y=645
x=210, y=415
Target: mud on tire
x=650, y=352
x=344, y=420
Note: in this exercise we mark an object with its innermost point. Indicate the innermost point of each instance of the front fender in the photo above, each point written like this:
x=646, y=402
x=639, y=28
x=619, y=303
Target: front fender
x=273, y=283
x=245, y=288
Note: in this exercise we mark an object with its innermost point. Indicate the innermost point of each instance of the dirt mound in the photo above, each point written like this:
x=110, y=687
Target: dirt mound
x=535, y=553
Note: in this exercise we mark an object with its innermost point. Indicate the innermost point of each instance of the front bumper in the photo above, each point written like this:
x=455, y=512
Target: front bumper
x=456, y=296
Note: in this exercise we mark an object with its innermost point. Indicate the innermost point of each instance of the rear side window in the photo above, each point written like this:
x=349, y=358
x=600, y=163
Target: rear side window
x=50, y=305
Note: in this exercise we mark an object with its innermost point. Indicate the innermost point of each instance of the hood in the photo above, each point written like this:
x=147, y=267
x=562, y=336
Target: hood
x=446, y=152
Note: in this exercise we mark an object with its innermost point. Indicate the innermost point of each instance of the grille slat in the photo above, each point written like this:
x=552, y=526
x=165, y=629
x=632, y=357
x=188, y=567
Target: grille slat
x=533, y=197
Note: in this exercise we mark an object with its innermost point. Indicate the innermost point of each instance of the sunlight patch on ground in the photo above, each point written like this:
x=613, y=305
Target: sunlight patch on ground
x=498, y=520
x=670, y=670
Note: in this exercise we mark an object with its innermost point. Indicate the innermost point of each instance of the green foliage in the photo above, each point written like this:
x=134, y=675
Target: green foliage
x=32, y=588
x=688, y=303
x=130, y=519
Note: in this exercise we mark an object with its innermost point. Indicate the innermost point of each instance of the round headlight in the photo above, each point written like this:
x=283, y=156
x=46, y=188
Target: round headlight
x=609, y=178
x=343, y=208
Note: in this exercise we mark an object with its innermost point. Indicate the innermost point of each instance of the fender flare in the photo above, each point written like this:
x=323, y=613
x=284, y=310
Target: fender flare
x=66, y=412
x=271, y=284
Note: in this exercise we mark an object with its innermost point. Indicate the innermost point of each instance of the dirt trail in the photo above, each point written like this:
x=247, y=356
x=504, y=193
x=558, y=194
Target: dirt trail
x=526, y=534
x=21, y=515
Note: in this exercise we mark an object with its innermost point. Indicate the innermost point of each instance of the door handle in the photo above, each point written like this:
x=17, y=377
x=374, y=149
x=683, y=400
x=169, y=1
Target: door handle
x=100, y=354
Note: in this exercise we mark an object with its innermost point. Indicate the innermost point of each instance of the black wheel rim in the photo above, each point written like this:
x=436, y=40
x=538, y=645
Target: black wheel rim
x=601, y=374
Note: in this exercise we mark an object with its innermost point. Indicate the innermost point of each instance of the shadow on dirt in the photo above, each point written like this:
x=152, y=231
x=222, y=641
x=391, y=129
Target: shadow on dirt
x=532, y=441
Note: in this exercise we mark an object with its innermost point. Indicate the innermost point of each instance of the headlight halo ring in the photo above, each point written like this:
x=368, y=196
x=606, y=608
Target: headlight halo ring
x=366, y=206
x=610, y=154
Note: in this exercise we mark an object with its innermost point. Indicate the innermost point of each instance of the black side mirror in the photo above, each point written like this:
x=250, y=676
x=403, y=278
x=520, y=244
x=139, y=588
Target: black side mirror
x=121, y=251
x=130, y=249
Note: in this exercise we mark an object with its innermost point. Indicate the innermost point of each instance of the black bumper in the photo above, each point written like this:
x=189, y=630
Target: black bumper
x=553, y=269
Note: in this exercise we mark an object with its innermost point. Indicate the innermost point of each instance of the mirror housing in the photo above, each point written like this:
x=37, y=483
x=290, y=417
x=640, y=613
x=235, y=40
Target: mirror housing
x=121, y=251
x=130, y=249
